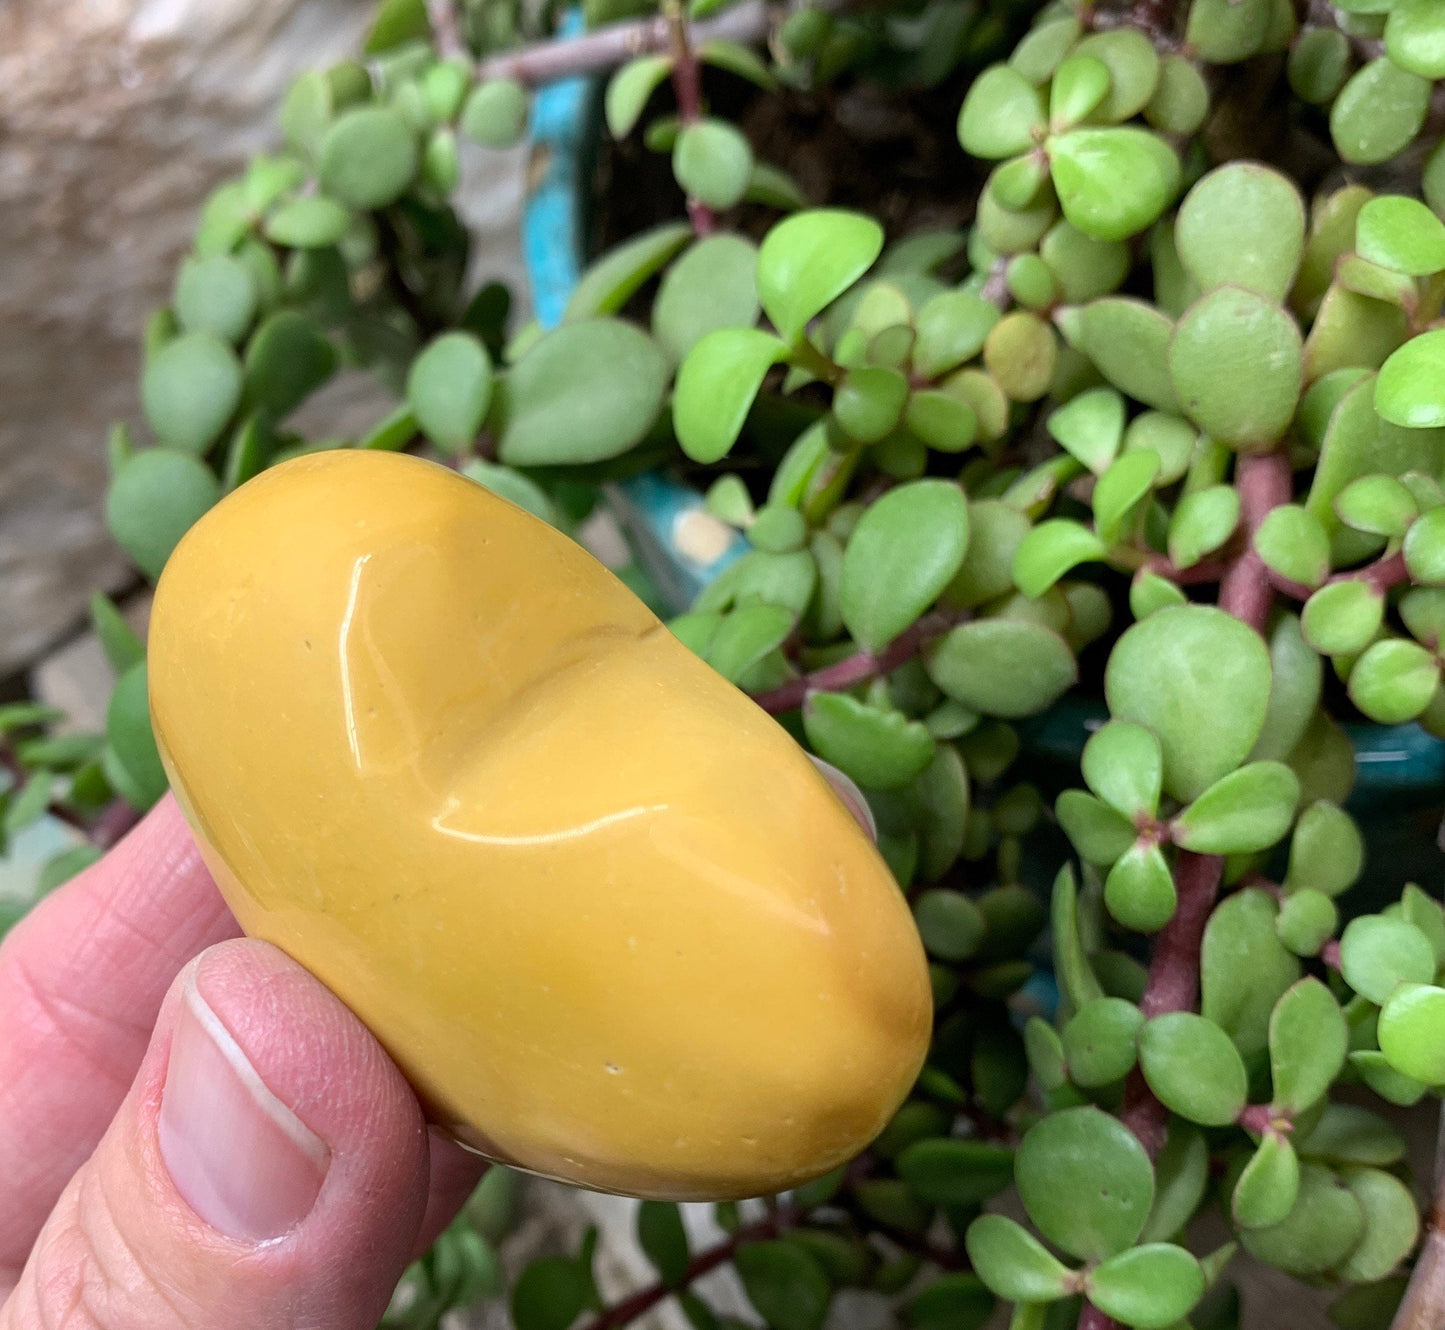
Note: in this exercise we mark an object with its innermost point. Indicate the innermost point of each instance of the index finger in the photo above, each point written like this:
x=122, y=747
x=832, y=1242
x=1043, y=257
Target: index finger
x=81, y=982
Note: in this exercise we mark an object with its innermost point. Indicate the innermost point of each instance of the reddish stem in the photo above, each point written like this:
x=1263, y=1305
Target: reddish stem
x=1385, y=573
x=687, y=88
x=1246, y=591
x=861, y=668
x=646, y=1299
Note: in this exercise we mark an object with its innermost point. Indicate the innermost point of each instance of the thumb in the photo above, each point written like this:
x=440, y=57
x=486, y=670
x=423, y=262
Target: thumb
x=268, y=1167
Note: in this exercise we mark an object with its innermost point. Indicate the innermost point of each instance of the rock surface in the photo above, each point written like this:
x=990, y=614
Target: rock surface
x=118, y=117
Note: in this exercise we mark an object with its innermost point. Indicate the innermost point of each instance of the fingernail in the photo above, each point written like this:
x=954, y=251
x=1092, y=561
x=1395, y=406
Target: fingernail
x=849, y=793
x=241, y=1159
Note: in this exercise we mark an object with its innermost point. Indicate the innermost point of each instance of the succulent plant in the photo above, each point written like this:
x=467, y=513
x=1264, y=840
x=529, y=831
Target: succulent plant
x=1161, y=434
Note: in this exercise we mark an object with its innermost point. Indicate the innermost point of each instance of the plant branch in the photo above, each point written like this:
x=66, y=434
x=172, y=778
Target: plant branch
x=1246, y=591
x=687, y=88
x=748, y=22
x=1423, y=1306
x=866, y=665
x=644, y=1300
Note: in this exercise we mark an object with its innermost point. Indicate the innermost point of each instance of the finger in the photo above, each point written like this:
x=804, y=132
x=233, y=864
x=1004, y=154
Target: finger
x=269, y=1167
x=455, y=1173
x=81, y=980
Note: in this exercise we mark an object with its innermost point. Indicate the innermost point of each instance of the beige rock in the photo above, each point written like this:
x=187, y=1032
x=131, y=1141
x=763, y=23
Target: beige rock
x=118, y=117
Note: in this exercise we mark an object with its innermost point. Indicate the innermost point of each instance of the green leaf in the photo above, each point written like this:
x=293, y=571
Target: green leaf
x=449, y=388
x=1080, y=83
x=1378, y=953
x=808, y=260
x=901, y=555
x=952, y=926
x=1411, y=388
x=1050, y=550
x=313, y=222
x=1326, y=852
x=1378, y=112
x=1180, y=103
x=495, y=115
x=1151, y=1286
x=1269, y=1185
x=1401, y=234
x=1235, y=359
x=1394, y=681
x=952, y=327
x=190, y=390
x=1415, y=38
x=1119, y=490
x=786, y=1285
x=368, y=157
x=1133, y=67
x=1091, y=427
x=29, y=805
x=153, y=501
x=397, y=22
x=1128, y=341
x=1002, y=667
x=879, y=749
x=128, y=731
x=120, y=642
x=1085, y=1181
x=611, y=281
x=1380, y=505
x=1224, y=31
x=711, y=286
x=514, y=487
x=1193, y=1068
x=1392, y=1224
x=1122, y=763
x=1244, y=969
x=869, y=402
x=1409, y=1032
x=955, y=1172
x=1112, y=183
x=662, y=1237
x=1241, y=813
x=1424, y=549
x=1076, y=976
x=1348, y=1134
x=1200, y=680
x=216, y=295
x=1014, y=1263
x=941, y=420
x=1319, y=1232
x=713, y=163
x=1202, y=522
x=950, y=1302
x=1243, y=225
x=1319, y=62
x=716, y=387
x=1099, y=834
x=1307, y=920
x=1001, y=114
x=585, y=392
x=1343, y=617
x=746, y=635
x=1139, y=891
x=1100, y=1041
x=1308, y=1040
x=550, y=1294
x=629, y=90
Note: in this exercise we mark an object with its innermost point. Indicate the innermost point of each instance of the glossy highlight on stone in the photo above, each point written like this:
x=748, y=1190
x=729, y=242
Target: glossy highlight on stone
x=601, y=909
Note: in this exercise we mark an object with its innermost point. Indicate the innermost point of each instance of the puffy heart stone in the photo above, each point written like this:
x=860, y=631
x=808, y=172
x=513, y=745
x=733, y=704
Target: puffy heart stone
x=599, y=907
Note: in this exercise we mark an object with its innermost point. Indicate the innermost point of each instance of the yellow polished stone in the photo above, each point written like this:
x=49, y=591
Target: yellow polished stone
x=599, y=907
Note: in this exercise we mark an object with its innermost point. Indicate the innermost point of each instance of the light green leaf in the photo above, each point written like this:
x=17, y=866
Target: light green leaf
x=190, y=390
x=585, y=392
x=1308, y=1040
x=904, y=551
x=808, y=260
x=1002, y=667
x=1152, y=1286
x=610, y=282
x=449, y=388
x=155, y=498
x=368, y=157
x=629, y=89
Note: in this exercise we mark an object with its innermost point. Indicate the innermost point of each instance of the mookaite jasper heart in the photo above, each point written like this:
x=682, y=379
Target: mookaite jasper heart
x=602, y=910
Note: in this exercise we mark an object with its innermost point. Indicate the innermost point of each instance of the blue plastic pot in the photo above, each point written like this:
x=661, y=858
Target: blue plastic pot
x=1399, y=796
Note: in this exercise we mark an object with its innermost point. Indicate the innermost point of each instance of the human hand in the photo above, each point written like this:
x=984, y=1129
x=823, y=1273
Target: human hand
x=194, y=1132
